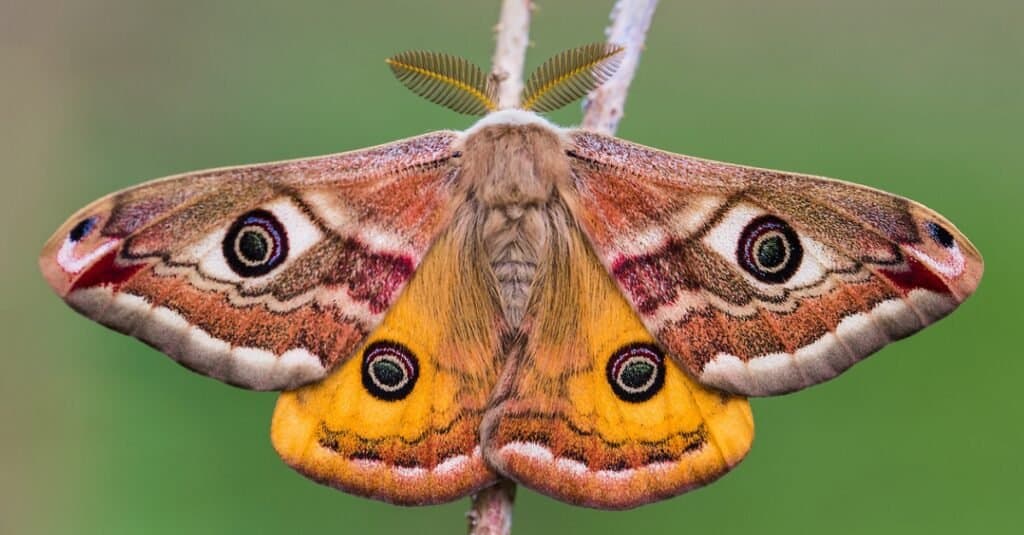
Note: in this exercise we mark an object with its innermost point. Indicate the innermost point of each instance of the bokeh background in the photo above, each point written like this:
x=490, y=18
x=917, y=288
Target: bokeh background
x=100, y=434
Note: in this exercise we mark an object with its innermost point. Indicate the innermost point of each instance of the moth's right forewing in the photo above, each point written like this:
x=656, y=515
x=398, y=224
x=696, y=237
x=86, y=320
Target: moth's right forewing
x=263, y=276
x=763, y=282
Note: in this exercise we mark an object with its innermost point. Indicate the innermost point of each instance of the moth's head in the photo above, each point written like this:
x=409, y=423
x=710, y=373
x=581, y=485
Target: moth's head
x=459, y=85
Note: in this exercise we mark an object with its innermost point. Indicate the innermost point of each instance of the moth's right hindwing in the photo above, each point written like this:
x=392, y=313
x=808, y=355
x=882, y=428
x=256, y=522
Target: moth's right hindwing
x=263, y=276
x=589, y=409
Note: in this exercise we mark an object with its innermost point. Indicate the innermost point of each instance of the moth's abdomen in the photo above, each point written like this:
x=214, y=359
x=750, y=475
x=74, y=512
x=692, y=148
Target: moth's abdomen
x=512, y=172
x=514, y=237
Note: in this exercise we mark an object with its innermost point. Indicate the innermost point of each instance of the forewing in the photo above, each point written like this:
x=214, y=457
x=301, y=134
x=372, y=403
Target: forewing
x=400, y=422
x=761, y=282
x=263, y=276
x=590, y=411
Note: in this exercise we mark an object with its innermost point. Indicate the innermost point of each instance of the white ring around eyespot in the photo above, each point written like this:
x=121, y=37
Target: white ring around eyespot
x=271, y=245
x=787, y=247
x=642, y=388
x=208, y=254
x=398, y=361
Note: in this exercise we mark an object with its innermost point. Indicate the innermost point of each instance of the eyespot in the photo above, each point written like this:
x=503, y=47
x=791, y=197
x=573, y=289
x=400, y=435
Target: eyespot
x=255, y=244
x=636, y=372
x=940, y=234
x=390, y=370
x=769, y=249
x=82, y=229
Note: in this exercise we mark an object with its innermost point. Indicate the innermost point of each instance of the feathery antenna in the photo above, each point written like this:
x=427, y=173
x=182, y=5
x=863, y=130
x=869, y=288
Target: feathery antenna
x=450, y=81
x=569, y=75
x=459, y=85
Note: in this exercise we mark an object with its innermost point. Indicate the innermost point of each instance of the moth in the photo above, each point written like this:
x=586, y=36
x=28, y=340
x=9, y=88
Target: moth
x=581, y=314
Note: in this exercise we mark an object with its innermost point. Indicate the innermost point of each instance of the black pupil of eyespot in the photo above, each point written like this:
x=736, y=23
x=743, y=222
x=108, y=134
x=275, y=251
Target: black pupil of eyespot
x=940, y=235
x=637, y=373
x=253, y=245
x=388, y=373
x=82, y=229
x=771, y=252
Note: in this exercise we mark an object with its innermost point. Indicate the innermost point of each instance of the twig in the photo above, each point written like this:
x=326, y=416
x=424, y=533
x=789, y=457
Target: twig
x=513, y=36
x=630, y=21
x=492, y=509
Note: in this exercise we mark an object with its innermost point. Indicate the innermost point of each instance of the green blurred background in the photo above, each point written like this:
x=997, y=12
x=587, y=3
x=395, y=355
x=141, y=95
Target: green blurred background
x=923, y=98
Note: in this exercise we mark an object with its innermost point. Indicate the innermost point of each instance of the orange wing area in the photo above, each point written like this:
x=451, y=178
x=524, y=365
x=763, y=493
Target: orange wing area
x=365, y=431
x=591, y=412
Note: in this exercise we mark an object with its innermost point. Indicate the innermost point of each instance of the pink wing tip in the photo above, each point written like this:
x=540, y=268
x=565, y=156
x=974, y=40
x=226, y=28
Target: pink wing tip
x=78, y=255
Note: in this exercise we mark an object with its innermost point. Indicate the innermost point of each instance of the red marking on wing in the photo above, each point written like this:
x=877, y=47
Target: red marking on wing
x=654, y=280
x=916, y=276
x=104, y=272
x=372, y=277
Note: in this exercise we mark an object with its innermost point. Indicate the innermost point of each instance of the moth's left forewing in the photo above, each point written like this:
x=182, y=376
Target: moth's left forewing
x=762, y=282
x=263, y=276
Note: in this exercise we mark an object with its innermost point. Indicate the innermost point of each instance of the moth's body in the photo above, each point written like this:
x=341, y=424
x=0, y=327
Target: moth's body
x=520, y=299
x=511, y=167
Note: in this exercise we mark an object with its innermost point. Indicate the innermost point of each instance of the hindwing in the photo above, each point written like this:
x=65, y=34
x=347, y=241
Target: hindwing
x=591, y=411
x=400, y=421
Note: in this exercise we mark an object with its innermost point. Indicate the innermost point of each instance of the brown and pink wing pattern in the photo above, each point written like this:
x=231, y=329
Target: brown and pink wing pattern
x=761, y=282
x=262, y=276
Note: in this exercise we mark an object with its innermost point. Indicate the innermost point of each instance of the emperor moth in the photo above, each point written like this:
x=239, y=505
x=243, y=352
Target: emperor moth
x=581, y=314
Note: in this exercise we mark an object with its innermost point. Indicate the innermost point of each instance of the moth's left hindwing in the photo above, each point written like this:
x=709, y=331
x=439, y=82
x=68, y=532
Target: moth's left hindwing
x=400, y=421
x=263, y=276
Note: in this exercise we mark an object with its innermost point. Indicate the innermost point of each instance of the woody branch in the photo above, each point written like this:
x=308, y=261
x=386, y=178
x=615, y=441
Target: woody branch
x=630, y=22
x=512, y=34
